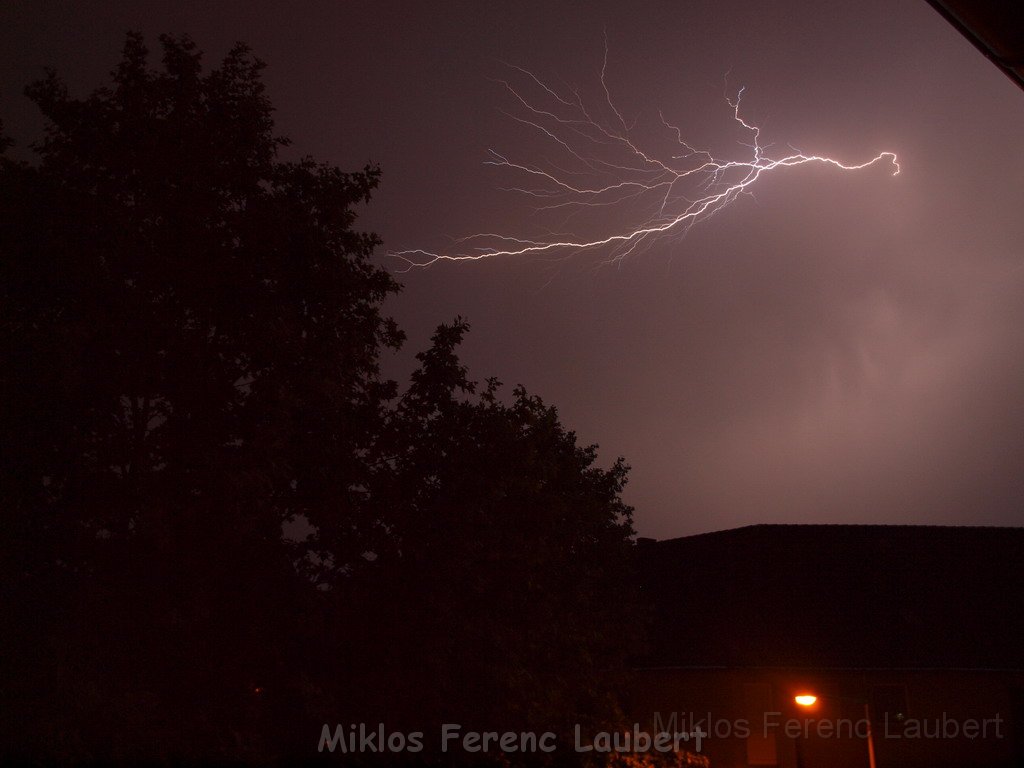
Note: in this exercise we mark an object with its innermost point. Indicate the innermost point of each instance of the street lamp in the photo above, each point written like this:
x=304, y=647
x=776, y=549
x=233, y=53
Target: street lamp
x=809, y=699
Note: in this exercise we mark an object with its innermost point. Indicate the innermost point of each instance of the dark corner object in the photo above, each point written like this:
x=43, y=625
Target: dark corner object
x=995, y=27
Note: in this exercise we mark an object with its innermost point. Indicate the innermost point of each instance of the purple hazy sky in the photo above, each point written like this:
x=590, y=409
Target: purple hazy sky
x=842, y=347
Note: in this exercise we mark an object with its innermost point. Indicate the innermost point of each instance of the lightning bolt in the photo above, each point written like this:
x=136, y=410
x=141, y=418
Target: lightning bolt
x=603, y=169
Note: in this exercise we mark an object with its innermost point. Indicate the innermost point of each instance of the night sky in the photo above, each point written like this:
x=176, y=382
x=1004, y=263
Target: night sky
x=843, y=347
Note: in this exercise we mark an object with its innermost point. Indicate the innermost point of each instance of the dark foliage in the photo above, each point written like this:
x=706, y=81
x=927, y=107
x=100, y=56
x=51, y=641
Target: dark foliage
x=508, y=554
x=191, y=329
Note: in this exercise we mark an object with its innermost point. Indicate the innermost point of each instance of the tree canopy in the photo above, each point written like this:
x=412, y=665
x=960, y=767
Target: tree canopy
x=193, y=328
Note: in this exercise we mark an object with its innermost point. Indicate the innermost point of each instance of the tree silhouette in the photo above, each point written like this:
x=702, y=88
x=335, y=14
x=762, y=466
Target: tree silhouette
x=509, y=556
x=192, y=329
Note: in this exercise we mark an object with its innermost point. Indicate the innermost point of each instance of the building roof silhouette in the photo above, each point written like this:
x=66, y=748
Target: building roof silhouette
x=838, y=596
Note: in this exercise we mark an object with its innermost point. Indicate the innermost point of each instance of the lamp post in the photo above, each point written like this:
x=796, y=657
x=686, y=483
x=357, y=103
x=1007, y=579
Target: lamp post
x=810, y=699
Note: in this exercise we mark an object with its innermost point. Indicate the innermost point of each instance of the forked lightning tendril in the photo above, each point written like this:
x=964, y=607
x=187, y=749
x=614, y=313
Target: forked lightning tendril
x=647, y=195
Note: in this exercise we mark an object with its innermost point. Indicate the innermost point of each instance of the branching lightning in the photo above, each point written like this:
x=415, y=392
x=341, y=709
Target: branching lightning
x=601, y=167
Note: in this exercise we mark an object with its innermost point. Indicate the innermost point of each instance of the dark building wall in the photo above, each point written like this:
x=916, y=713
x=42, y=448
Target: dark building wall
x=913, y=618
x=838, y=596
